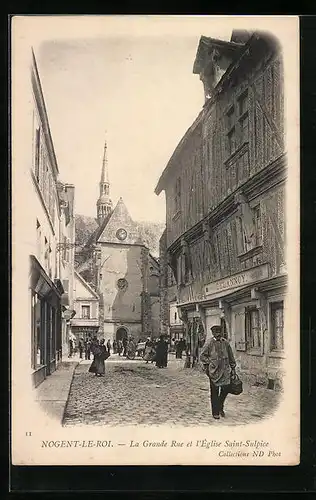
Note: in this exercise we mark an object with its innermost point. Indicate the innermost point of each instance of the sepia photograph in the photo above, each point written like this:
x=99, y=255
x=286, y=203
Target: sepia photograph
x=155, y=240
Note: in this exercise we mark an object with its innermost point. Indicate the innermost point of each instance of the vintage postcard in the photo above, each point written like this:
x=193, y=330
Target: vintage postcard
x=155, y=240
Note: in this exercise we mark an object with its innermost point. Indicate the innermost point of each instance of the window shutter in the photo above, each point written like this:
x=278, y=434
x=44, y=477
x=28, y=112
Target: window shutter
x=238, y=332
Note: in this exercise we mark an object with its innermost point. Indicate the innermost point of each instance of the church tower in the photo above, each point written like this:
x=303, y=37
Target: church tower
x=104, y=203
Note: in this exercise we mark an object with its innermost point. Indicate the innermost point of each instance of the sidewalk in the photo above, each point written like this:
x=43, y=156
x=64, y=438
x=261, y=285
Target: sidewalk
x=52, y=393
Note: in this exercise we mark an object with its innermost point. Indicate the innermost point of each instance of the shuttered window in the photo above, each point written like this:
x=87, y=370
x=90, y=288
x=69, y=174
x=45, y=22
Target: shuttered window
x=238, y=329
x=252, y=325
x=277, y=325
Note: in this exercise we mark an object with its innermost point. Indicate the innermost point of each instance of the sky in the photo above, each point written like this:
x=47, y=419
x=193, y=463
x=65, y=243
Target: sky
x=132, y=86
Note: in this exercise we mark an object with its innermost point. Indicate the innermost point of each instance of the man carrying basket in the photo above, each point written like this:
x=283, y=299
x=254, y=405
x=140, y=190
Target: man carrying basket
x=219, y=364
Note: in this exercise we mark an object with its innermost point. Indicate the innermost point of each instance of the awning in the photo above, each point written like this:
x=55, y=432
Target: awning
x=40, y=281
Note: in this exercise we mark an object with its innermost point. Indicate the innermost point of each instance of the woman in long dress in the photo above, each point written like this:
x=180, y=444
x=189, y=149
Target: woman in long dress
x=100, y=353
x=162, y=353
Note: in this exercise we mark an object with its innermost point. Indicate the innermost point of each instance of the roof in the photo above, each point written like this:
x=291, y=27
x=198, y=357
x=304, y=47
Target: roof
x=178, y=149
x=83, y=281
x=98, y=231
x=207, y=43
x=204, y=42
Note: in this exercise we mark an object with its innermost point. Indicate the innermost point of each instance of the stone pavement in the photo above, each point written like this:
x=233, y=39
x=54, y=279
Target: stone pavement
x=52, y=394
x=133, y=392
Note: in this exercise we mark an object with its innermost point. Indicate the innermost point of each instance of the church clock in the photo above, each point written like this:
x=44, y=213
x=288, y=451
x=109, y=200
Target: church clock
x=121, y=234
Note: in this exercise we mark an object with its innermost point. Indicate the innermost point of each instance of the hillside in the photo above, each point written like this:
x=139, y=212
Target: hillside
x=150, y=232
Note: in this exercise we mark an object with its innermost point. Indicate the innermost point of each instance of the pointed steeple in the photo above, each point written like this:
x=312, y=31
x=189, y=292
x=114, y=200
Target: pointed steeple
x=105, y=170
x=104, y=203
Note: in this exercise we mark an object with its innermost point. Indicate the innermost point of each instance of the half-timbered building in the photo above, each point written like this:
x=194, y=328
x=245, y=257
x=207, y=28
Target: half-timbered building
x=224, y=245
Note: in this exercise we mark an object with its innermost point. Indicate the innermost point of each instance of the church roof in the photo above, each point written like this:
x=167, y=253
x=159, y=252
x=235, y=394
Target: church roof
x=120, y=209
x=99, y=230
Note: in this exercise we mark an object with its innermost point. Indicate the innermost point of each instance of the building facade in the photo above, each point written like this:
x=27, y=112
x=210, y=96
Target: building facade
x=119, y=267
x=225, y=201
x=50, y=222
x=85, y=322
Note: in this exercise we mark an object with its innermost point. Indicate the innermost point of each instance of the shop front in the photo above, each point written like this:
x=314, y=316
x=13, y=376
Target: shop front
x=46, y=341
x=250, y=309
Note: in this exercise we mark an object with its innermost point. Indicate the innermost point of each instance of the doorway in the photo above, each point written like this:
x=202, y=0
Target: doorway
x=121, y=334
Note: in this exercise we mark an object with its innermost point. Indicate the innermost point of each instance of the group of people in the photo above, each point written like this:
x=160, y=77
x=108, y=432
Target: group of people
x=216, y=358
x=156, y=352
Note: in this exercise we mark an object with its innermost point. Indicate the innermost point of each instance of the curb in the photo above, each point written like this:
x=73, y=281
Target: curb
x=71, y=379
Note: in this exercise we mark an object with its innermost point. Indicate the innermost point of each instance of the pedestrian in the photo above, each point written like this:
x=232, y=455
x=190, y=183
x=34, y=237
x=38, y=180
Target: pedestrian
x=161, y=353
x=87, y=348
x=108, y=346
x=131, y=348
x=72, y=345
x=149, y=351
x=100, y=353
x=119, y=347
x=81, y=347
x=219, y=364
x=124, y=346
x=114, y=347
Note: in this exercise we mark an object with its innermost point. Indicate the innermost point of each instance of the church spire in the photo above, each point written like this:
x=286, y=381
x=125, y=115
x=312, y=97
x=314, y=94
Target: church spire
x=104, y=203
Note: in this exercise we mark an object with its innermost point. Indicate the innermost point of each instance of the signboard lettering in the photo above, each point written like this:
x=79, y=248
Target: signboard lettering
x=238, y=280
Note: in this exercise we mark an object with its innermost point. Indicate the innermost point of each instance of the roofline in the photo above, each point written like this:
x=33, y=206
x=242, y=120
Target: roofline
x=221, y=44
x=39, y=96
x=178, y=149
x=155, y=259
x=218, y=88
x=86, y=284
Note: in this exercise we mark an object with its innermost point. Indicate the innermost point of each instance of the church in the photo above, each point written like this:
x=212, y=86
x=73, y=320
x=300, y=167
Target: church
x=118, y=265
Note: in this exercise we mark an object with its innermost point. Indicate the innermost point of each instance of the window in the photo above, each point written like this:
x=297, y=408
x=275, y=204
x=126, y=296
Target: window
x=85, y=312
x=243, y=103
x=231, y=130
x=231, y=137
x=237, y=123
x=177, y=195
x=38, y=238
x=175, y=317
x=257, y=222
x=243, y=117
x=277, y=324
x=50, y=271
x=252, y=329
x=37, y=153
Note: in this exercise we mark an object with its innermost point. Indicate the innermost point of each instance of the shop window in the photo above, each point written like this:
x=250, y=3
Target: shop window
x=36, y=339
x=85, y=312
x=252, y=325
x=277, y=325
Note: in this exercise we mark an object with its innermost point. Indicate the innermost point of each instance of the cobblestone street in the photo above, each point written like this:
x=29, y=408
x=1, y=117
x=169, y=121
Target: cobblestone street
x=133, y=392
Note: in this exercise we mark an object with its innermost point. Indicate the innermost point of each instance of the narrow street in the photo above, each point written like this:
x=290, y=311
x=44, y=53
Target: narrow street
x=133, y=392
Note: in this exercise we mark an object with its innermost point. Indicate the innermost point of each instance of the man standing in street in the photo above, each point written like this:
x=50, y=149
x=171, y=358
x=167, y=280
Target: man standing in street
x=218, y=363
x=124, y=346
x=81, y=347
x=87, y=347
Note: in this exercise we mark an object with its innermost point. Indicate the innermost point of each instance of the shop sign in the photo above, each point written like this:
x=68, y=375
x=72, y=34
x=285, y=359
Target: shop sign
x=239, y=280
